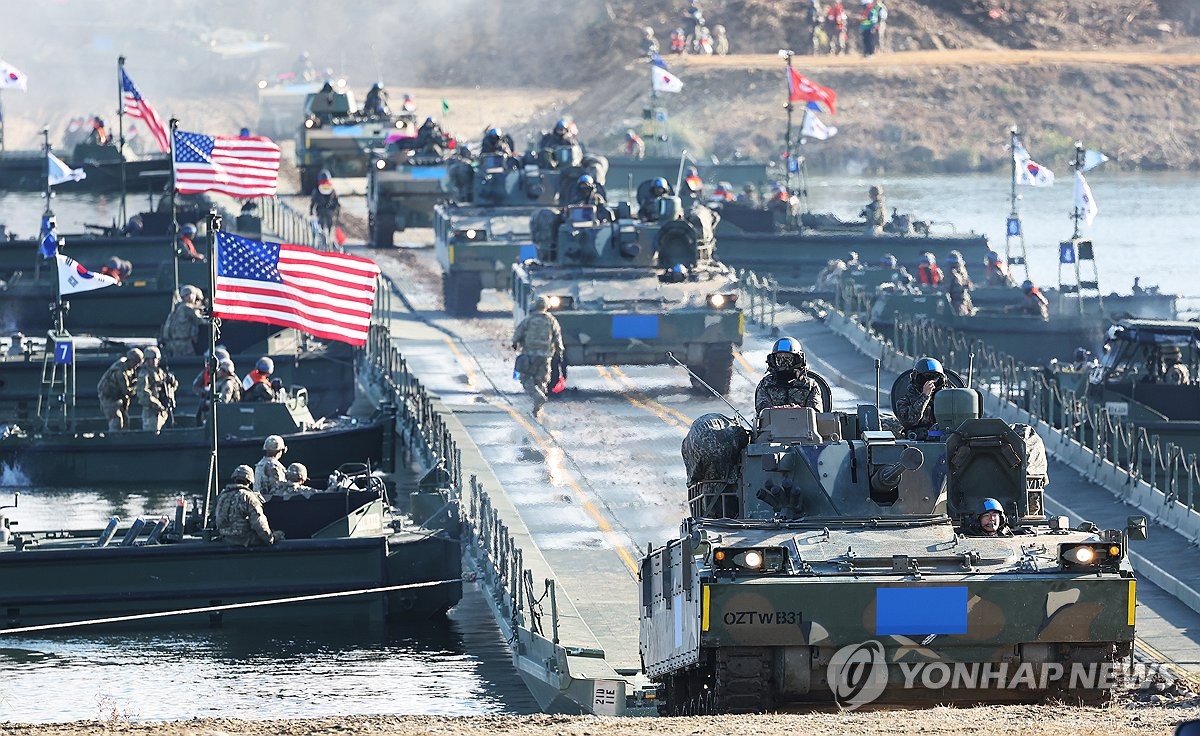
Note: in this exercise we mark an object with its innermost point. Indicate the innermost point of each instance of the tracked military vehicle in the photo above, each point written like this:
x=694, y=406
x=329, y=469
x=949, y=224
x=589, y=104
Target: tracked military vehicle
x=628, y=292
x=477, y=236
x=404, y=183
x=337, y=136
x=826, y=561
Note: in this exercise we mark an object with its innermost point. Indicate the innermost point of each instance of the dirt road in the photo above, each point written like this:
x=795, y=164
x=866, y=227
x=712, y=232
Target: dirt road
x=949, y=58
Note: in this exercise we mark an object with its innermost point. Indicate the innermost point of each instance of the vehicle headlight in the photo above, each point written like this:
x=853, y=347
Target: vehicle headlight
x=558, y=302
x=468, y=234
x=380, y=164
x=722, y=301
x=763, y=560
x=1090, y=555
x=262, y=84
x=312, y=123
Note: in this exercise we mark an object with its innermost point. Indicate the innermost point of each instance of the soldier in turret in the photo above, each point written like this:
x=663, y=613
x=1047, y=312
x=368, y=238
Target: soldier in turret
x=915, y=408
x=787, y=382
x=182, y=329
x=1035, y=302
x=376, y=102
x=539, y=338
x=991, y=521
x=1175, y=371
x=875, y=212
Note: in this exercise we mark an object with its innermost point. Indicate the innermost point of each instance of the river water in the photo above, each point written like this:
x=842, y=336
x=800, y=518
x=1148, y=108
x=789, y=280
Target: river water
x=1146, y=227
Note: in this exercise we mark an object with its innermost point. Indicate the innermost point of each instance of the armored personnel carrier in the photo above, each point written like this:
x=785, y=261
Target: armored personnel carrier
x=404, y=183
x=628, y=292
x=337, y=136
x=827, y=561
x=476, y=236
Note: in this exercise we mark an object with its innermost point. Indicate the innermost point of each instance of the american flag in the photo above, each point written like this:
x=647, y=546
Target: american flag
x=239, y=167
x=136, y=107
x=328, y=295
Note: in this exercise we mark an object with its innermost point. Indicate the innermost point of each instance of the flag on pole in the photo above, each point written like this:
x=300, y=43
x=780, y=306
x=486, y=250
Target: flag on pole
x=73, y=278
x=1092, y=159
x=814, y=128
x=59, y=172
x=1084, y=202
x=663, y=80
x=1029, y=172
x=137, y=107
x=48, y=238
x=328, y=295
x=239, y=167
x=12, y=77
x=803, y=89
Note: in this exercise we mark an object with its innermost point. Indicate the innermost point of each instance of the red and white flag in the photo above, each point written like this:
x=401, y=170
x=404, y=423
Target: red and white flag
x=136, y=107
x=240, y=167
x=803, y=89
x=327, y=295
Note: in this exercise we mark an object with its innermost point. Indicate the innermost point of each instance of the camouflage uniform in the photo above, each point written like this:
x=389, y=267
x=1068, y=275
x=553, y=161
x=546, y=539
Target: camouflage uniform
x=1177, y=374
x=290, y=488
x=801, y=391
x=156, y=391
x=239, y=516
x=181, y=329
x=876, y=215
x=228, y=390
x=1036, y=304
x=914, y=409
x=115, y=390
x=712, y=452
x=269, y=476
x=958, y=286
x=539, y=338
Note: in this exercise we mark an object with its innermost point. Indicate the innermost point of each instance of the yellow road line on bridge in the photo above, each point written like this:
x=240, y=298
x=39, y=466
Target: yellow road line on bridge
x=679, y=417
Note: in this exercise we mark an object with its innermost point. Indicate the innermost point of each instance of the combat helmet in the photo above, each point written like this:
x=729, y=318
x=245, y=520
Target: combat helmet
x=273, y=444
x=786, y=356
x=296, y=473
x=243, y=473
x=989, y=505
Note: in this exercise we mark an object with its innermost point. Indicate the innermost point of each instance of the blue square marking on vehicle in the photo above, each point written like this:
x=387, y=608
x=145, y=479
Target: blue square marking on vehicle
x=347, y=131
x=631, y=326
x=926, y=610
x=527, y=251
x=428, y=172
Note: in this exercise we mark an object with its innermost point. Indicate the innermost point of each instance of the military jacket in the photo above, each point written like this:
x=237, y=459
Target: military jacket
x=539, y=334
x=914, y=409
x=239, y=516
x=802, y=391
x=183, y=323
x=117, y=382
x=269, y=476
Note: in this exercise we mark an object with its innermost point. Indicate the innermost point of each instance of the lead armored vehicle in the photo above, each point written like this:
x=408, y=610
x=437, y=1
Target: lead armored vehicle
x=485, y=228
x=627, y=292
x=827, y=561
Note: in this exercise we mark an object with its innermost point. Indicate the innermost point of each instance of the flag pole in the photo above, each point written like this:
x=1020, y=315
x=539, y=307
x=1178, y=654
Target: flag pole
x=47, y=217
x=1014, y=214
x=1, y=121
x=214, y=224
x=174, y=218
x=1076, y=213
x=121, y=129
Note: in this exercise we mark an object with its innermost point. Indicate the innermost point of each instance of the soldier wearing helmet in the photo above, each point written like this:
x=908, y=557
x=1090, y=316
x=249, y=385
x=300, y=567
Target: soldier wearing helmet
x=269, y=474
x=958, y=285
x=539, y=338
x=587, y=192
x=1175, y=371
x=915, y=408
x=875, y=212
x=228, y=389
x=115, y=389
x=257, y=385
x=1035, y=303
x=991, y=521
x=238, y=515
x=787, y=382
x=562, y=135
x=995, y=271
x=376, y=102
x=181, y=331
x=186, y=247
x=496, y=141
x=155, y=388
x=295, y=478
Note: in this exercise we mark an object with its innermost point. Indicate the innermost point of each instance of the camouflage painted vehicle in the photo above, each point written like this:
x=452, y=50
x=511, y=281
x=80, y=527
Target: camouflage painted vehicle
x=337, y=136
x=827, y=561
x=627, y=292
x=403, y=186
x=281, y=104
x=477, y=236
x=476, y=247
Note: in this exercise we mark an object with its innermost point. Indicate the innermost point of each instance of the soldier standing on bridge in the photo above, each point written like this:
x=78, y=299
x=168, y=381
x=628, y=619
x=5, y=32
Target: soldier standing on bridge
x=539, y=338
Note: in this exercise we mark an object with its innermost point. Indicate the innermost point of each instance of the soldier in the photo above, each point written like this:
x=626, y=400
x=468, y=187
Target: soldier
x=186, y=247
x=1035, y=303
x=228, y=388
x=787, y=382
x=539, y=338
x=269, y=473
x=634, y=145
x=181, y=331
x=294, y=478
x=376, y=102
x=115, y=389
x=156, y=390
x=1175, y=371
x=586, y=192
x=875, y=212
x=16, y=346
x=561, y=135
x=239, y=517
x=958, y=285
x=915, y=408
x=495, y=141
x=995, y=270
x=323, y=202
x=257, y=386
x=430, y=137
x=991, y=521
x=929, y=273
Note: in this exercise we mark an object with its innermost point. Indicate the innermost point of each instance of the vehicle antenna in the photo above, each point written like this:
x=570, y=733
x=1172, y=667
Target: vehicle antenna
x=701, y=381
x=970, y=367
x=877, y=364
x=679, y=176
